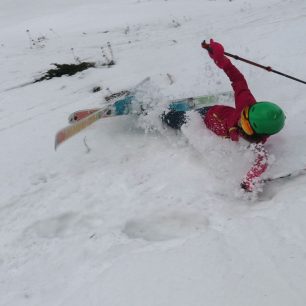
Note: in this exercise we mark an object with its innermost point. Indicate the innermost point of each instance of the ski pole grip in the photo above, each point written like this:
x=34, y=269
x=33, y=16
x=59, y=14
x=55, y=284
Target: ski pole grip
x=206, y=46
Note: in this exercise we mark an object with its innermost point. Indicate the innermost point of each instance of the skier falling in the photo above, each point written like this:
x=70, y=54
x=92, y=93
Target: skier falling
x=253, y=121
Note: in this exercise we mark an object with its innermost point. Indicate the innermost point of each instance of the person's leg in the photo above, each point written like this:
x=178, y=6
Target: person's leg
x=203, y=110
x=174, y=119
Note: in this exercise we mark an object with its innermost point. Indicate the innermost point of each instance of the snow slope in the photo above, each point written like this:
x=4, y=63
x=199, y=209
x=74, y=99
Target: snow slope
x=140, y=215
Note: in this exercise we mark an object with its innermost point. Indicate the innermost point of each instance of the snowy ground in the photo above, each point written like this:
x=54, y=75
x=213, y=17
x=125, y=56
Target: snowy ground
x=147, y=218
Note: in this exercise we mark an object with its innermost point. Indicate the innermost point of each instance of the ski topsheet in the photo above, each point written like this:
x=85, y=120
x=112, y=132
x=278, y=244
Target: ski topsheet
x=70, y=130
x=81, y=119
x=81, y=114
x=88, y=117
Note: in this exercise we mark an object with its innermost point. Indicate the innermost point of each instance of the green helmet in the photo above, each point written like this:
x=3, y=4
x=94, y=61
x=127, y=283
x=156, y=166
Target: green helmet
x=266, y=118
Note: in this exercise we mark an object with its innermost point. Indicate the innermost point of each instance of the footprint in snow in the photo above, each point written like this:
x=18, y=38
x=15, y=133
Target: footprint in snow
x=42, y=178
x=165, y=227
x=59, y=226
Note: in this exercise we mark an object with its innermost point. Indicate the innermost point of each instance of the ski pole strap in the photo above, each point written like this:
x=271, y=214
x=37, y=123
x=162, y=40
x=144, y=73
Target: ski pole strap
x=267, y=68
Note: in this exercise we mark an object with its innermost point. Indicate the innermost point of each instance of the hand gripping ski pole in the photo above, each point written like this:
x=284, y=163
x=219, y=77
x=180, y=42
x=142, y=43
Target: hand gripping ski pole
x=267, y=68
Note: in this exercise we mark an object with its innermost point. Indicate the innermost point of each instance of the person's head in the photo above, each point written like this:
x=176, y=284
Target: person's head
x=262, y=118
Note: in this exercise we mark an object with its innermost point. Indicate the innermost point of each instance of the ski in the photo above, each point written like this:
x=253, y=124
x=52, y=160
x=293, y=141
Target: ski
x=178, y=105
x=80, y=120
x=81, y=114
x=287, y=175
x=70, y=130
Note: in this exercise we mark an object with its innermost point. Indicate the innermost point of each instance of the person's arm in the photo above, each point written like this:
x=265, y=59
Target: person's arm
x=258, y=168
x=243, y=95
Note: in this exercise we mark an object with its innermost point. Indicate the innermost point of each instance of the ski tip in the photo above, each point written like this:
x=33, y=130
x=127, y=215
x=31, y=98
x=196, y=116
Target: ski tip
x=56, y=144
x=59, y=138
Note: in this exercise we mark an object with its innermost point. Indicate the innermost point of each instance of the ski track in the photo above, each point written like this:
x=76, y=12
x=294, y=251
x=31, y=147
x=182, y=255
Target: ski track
x=156, y=217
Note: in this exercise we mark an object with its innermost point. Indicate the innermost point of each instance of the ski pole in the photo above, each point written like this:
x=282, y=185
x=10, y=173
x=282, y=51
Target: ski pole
x=267, y=68
x=287, y=175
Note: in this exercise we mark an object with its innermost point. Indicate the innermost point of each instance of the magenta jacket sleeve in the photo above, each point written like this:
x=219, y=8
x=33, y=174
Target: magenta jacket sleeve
x=243, y=95
x=258, y=168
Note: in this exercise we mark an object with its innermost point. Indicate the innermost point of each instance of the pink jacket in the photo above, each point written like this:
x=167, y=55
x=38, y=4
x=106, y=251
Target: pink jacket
x=223, y=121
